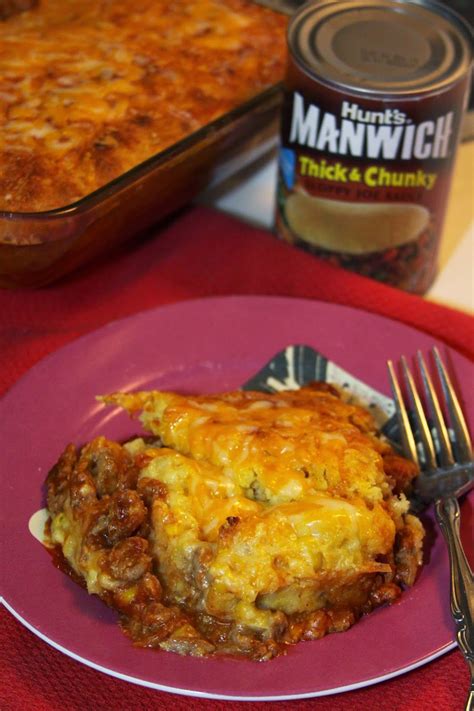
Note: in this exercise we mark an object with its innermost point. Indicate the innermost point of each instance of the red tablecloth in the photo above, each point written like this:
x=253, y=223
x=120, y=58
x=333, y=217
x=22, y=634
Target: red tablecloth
x=199, y=253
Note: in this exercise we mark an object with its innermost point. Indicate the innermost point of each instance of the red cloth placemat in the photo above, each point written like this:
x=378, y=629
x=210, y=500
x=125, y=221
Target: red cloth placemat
x=199, y=253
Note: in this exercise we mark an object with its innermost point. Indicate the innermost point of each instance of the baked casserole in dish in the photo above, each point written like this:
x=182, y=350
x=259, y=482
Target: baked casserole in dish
x=244, y=523
x=121, y=101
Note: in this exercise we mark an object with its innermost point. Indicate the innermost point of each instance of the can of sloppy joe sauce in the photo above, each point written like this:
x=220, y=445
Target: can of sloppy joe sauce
x=373, y=101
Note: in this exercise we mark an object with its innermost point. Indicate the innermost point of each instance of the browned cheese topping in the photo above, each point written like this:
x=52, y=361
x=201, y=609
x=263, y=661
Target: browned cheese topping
x=88, y=90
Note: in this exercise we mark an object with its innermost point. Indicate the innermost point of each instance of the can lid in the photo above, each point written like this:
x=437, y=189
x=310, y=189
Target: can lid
x=381, y=46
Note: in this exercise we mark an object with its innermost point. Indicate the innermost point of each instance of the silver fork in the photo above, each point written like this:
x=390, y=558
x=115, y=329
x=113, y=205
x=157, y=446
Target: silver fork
x=446, y=473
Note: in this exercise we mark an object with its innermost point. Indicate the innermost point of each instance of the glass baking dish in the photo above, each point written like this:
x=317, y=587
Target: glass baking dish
x=38, y=248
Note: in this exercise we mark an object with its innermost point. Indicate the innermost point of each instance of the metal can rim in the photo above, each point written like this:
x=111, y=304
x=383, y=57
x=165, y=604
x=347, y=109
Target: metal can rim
x=457, y=23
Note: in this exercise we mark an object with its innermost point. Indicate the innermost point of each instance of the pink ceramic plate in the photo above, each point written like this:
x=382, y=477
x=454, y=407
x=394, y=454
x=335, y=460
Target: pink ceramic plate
x=204, y=345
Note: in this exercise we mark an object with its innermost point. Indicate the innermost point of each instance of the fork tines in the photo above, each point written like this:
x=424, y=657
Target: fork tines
x=438, y=449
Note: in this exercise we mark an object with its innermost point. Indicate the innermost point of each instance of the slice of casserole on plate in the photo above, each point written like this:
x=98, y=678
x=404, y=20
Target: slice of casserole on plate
x=249, y=521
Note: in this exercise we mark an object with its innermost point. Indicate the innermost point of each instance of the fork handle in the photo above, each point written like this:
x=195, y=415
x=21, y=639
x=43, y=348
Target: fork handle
x=462, y=584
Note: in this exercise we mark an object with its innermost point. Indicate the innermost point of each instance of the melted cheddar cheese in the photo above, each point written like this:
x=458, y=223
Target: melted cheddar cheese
x=88, y=90
x=279, y=448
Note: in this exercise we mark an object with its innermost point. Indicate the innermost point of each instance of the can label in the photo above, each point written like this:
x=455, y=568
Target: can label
x=364, y=182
